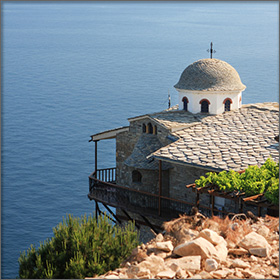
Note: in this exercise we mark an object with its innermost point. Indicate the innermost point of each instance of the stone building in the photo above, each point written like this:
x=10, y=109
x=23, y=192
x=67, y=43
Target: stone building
x=158, y=154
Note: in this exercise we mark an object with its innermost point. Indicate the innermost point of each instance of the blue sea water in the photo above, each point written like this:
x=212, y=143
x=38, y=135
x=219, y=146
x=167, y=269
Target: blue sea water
x=71, y=69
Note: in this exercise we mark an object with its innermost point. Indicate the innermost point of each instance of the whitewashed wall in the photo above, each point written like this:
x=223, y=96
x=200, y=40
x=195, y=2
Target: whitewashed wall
x=216, y=100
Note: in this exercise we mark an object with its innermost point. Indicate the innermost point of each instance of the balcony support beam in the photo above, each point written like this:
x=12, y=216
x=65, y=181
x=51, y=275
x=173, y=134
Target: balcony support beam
x=159, y=187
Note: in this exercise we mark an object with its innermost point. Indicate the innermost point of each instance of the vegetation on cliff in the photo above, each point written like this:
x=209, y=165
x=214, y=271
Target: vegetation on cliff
x=80, y=247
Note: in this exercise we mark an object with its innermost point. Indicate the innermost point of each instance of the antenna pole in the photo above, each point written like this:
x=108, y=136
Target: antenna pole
x=169, y=101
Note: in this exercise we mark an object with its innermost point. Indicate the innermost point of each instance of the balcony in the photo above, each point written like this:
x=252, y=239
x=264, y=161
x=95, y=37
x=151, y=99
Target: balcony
x=103, y=188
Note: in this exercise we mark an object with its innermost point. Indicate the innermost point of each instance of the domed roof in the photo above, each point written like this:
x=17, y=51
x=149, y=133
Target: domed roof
x=210, y=75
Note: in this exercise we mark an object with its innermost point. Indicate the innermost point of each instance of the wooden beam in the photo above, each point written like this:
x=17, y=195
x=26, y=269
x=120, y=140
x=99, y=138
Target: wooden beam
x=149, y=224
x=159, y=187
x=112, y=213
x=95, y=158
x=130, y=218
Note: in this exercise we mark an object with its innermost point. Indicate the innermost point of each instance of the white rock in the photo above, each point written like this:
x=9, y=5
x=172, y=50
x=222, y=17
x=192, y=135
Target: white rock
x=154, y=263
x=198, y=247
x=159, y=237
x=253, y=240
x=264, y=231
x=165, y=246
x=144, y=273
x=253, y=258
x=211, y=265
x=188, y=263
x=205, y=275
x=212, y=237
x=166, y=274
x=111, y=276
x=197, y=276
x=240, y=263
x=218, y=274
x=222, y=251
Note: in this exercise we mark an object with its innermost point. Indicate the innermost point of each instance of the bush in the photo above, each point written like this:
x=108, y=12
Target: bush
x=80, y=247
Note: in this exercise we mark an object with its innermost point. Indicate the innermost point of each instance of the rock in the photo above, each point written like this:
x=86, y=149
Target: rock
x=238, y=273
x=253, y=240
x=240, y=263
x=253, y=259
x=222, y=251
x=159, y=238
x=199, y=246
x=111, y=276
x=212, y=237
x=154, y=263
x=197, y=276
x=181, y=274
x=166, y=274
x=164, y=246
x=188, y=263
x=259, y=276
x=275, y=273
x=211, y=265
x=174, y=266
x=264, y=231
x=205, y=275
x=247, y=273
x=218, y=274
x=238, y=251
x=260, y=252
x=132, y=271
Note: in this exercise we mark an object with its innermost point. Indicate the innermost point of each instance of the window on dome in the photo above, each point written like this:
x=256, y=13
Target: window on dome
x=227, y=106
x=136, y=176
x=204, y=106
x=150, y=128
x=185, y=103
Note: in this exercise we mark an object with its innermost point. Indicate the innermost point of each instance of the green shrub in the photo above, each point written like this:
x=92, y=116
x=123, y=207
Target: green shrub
x=80, y=247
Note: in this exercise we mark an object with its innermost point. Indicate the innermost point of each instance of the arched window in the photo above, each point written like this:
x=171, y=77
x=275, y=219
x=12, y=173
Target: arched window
x=136, y=176
x=204, y=105
x=150, y=128
x=144, y=129
x=185, y=103
x=155, y=129
x=227, y=106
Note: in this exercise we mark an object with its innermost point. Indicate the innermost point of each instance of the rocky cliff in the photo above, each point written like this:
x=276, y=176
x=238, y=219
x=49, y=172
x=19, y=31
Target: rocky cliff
x=239, y=246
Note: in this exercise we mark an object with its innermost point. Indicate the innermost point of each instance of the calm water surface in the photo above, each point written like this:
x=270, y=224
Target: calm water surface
x=70, y=70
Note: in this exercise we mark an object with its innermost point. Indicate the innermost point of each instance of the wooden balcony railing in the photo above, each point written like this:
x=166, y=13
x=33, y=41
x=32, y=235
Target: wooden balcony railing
x=133, y=200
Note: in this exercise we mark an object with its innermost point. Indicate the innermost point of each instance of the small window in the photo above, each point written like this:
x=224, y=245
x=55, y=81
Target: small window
x=227, y=102
x=144, y=129
x=185, y=103
x=136, y=176
x=204, y=106
x=150, y=128
x=227, y=105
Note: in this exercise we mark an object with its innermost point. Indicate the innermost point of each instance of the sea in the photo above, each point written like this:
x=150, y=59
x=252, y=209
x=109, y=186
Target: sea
x=73, y=69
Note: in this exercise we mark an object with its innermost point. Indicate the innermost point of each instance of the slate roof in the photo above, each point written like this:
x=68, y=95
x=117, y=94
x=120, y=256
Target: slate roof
x=210, y=75
x=145, y=145
x=232, y=140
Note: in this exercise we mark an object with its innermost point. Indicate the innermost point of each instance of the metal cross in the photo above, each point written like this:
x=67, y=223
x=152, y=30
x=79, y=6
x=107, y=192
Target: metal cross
x=211, y=50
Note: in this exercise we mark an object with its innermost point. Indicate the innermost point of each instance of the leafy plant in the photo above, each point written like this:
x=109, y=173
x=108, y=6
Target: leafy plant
x=80, y=247
x=255, y=180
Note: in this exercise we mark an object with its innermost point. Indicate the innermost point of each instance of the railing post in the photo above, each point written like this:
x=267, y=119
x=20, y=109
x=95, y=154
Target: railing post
x=160, y=187
x=95, y=158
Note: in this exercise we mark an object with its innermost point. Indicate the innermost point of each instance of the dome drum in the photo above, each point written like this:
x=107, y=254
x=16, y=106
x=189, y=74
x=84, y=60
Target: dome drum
x=213, y=80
